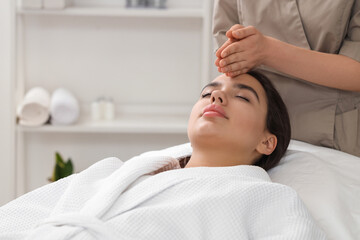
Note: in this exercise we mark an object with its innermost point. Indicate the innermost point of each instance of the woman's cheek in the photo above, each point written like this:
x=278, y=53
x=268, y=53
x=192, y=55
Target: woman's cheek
x=247, y=123
x=194, y=119
x=247, y=118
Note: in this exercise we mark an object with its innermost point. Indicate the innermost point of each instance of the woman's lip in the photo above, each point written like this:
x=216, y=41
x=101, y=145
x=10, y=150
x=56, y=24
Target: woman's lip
x=214, y=110
x=213, y=114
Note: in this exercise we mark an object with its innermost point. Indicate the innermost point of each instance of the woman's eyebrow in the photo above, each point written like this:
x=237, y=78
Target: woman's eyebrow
x=247, y=87
x=212, y=84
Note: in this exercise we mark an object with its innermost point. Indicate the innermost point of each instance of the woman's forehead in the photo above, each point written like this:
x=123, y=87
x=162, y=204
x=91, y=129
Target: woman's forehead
x=244, y=79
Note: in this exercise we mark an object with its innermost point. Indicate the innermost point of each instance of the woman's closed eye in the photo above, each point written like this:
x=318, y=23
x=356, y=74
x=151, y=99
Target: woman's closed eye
x=204, y=95
x=244, y=98
x=208, y=94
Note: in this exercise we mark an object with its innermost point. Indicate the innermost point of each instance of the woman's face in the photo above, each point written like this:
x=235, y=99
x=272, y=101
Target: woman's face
x=231, y=114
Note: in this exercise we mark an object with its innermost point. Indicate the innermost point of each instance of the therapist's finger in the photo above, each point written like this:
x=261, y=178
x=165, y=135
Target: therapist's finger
x=232, y=29
x=244, y=32
x=237, y=73
x=217, y=62
x=236, y=57
x=235, y=47
x=218, y=52
x=234, y=67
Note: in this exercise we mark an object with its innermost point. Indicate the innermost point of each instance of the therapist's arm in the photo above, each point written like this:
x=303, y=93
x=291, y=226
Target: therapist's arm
x=248, y=48
x=331, y=70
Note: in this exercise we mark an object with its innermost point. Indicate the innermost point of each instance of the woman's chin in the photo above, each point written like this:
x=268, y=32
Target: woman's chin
x=208, y=137
x=207, y=130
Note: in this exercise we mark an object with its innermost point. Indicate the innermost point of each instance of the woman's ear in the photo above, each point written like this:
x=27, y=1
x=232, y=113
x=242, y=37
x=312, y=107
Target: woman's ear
x=267, y=145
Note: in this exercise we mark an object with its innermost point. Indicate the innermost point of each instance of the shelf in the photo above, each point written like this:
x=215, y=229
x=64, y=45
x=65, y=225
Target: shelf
x=134, y=124
x=116, y=12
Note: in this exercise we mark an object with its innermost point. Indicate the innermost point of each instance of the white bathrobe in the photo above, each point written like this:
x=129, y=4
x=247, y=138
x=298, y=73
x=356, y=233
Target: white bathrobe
x=151, y=197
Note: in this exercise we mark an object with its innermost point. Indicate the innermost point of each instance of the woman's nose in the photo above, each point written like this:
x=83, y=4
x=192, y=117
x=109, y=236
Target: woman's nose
x=218, y=97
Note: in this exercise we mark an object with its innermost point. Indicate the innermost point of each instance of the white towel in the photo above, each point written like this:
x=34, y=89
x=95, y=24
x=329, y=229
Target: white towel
x=195, y=203
x=64, y=107
x=34, y=109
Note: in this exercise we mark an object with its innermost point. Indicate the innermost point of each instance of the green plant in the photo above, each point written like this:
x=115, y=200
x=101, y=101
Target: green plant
x=61, y=169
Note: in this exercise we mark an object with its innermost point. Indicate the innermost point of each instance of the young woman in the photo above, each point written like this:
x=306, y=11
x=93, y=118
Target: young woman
x=236, y=124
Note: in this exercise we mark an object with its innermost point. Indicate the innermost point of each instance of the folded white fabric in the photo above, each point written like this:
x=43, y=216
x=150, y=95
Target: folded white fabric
x=34, y=109
x=64, y=107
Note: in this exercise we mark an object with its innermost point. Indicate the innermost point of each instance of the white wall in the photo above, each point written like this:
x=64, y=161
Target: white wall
x=7, y=163
x=147, y=65
x=66, y=51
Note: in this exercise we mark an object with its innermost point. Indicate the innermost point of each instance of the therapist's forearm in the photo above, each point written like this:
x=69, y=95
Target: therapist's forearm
x=325, y=69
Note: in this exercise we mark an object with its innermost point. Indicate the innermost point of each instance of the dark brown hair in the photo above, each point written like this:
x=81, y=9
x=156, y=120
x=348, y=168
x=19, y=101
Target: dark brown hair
x=277, y=122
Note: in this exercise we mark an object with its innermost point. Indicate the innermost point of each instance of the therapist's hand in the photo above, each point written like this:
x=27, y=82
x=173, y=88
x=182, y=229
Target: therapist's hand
x=244, y=50
x=231, y=39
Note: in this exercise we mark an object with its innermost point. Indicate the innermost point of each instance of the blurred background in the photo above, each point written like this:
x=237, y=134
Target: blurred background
x=128, y=73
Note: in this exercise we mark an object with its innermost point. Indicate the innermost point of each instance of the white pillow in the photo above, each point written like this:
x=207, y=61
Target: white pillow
x=328, y=181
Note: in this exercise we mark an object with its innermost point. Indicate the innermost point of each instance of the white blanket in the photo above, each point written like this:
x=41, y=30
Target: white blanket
x=328, y=182
x=108, y=201
x=34, y=109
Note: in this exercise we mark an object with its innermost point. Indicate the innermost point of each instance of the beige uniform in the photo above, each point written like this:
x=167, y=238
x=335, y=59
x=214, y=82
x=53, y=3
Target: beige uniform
x=319, y=115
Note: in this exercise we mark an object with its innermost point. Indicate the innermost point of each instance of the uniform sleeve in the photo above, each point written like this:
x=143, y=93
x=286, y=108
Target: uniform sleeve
x=224, y=17
x=351, y=44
